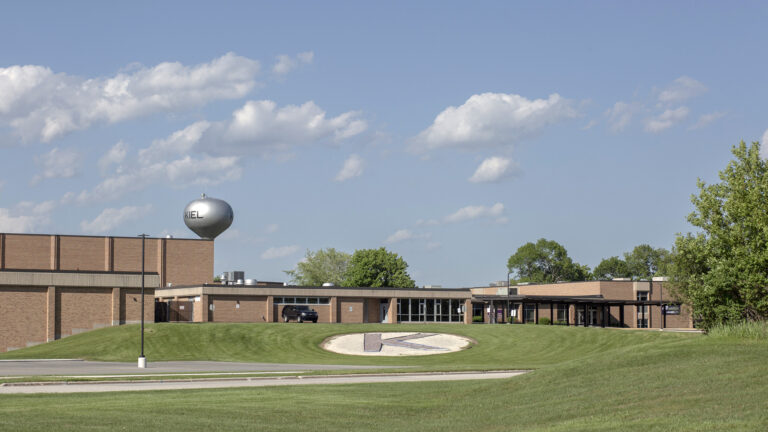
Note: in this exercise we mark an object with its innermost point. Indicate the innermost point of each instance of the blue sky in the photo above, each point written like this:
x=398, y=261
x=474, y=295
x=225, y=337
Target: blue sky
x=451, y=133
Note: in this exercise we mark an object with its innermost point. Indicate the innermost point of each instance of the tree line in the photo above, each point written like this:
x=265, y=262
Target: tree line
x=721, y=270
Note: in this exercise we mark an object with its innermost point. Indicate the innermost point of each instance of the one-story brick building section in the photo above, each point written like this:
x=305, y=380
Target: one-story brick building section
x=617, y=303
x=53, y=286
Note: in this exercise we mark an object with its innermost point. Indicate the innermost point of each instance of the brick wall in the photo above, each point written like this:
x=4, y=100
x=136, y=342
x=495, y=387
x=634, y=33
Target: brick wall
x=82, y=309
x=373, y=306
x=130, y=305
x=188, y=262
x=126, y=254
x=81, y=253
x=351, y=316
x=178, y=261
x=23, y=316
x=242, y=309
x=27, y=252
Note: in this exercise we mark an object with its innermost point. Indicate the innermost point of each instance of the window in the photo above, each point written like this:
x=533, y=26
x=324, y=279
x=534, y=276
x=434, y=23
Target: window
x=430, y=310
x=642, y=310
x=529, y=313
x=302, y=300
x=562, y=313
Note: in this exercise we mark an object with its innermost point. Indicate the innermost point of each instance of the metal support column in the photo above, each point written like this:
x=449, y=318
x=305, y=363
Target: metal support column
x=551, y=313
x=586, y=315
x=605, y=317
x=621, y=315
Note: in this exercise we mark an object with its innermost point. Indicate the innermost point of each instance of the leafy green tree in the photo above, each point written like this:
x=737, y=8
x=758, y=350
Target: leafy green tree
x=644, y=262
x=319, y=267
x=613, y=267
x=722, y=270
x=377, y=268
x=545, y=261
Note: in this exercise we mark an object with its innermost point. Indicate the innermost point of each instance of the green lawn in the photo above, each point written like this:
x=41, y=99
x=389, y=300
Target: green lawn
x=585, y=379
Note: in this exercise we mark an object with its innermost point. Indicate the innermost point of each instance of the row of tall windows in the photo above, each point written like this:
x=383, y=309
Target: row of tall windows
x=303, y=300
x=430, y=310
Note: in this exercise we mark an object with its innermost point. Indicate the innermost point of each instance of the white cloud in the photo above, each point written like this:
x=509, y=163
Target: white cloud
x=179, y=173
x=707, y=119
x=26, y=216
x=493, y=169
x=279, y=252
x=44, y=105
x=58, y=163
x=285, y=63
x=592, y=123
x=110, y=218
x=115, y=156
x=262, y=125
x=208, y=153
x=620, y=115
x=474, y=212
x=353, y=167
x=492, y=119
x=259, y=127
x=682, y=89
x=666, y=120
x=179, y=143
x=400, y=235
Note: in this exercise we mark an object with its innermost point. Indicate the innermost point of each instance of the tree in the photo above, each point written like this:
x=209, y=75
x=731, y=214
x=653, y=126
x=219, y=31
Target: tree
x=722, y=270
x=644, y=262
x=319, y=267
x=545, y=261
x=377, y=268
x=613, y=267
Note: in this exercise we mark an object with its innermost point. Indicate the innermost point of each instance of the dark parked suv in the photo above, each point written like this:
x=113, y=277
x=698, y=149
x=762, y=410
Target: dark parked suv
x=299, y=313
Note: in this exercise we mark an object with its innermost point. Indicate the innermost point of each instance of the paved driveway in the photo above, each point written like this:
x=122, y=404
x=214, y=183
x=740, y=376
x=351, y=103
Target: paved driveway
x=63, y=387
x=9, y=368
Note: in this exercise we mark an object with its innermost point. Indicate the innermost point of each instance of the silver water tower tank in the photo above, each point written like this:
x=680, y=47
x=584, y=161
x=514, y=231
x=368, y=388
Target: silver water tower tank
x=208, y=217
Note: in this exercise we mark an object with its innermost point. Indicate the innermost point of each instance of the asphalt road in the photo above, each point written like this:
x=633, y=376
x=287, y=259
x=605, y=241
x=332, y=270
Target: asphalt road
x=10, y=368
x=63, y=387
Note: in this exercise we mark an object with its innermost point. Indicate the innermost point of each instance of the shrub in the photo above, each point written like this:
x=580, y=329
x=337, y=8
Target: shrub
x=477, y=319
x=544, y=320
x=561, y=323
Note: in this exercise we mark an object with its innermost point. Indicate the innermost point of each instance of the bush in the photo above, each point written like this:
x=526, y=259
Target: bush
x=511, y=320
x=561, y=323
x=477, y=319
x=544, y=320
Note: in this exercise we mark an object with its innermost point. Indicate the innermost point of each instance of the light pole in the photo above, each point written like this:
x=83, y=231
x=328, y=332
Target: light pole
x=142, y=359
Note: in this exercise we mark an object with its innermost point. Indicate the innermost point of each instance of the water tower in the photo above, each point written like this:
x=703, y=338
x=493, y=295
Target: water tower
x=208, y=217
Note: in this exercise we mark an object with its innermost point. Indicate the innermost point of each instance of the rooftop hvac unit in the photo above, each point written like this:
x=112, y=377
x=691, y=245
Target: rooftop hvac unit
x=250, y=282
x=328, y=284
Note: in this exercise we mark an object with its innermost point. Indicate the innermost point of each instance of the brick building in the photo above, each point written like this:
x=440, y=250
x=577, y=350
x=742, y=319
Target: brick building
x=53, y=286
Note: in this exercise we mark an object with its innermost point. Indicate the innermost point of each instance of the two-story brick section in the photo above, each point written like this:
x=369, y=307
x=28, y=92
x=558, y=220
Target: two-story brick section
x=53, y=286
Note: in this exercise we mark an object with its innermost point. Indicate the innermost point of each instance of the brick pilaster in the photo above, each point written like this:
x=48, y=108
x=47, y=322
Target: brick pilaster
x=50, y=332
x=109, y=254
x=270, y=309
x=392, y=311
x=55, y=262
x=116, y=306
x=334, y=309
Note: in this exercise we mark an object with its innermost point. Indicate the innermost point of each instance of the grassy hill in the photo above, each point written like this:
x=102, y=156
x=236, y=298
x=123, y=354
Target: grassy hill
x=585, y=379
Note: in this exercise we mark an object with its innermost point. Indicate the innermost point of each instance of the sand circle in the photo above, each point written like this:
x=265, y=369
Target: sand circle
x=393, y=344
